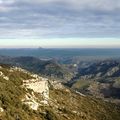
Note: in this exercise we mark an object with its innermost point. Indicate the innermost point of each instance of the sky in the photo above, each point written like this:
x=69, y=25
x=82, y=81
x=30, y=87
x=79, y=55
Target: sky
x=60, y=23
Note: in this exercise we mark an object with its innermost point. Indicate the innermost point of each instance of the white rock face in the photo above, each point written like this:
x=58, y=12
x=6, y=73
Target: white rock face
x=80, y=93
x=37, y=77
x=1, y=109
x=112, y=71
x=45, y=102
x=12, y=69
x=17, y=68
x=39, y=86
x=30, y=101
x=57, y=85
x=4, y=77
x=33, y=105
x=1, y=73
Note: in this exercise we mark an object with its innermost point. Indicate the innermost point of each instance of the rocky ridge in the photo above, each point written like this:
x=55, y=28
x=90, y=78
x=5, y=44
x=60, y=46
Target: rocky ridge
x=27, y=96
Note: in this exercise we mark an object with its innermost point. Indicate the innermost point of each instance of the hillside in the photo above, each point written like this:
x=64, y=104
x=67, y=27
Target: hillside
x=26, y=96
x=46, y=67
x=100, y=79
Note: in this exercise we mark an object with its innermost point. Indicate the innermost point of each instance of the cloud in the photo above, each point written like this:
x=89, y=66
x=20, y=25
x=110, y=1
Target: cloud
x=58, y=18
x=101, y=5
x=6, y=2
x=5, y=5
x=107, y=5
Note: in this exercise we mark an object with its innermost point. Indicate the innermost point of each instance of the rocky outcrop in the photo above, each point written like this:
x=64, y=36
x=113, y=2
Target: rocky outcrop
x=31, y=101
x=3, y=76
x=1, y=110
x=38, y=85
x=112, y=71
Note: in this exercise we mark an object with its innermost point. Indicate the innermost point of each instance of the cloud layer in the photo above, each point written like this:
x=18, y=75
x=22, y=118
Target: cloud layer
x=59, y=18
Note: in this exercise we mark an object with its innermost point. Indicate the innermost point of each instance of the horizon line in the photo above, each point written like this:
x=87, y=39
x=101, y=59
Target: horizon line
x=27, y=47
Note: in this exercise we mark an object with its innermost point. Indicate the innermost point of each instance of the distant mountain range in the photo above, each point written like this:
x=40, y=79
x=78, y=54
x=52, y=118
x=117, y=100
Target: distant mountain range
x=92, y=53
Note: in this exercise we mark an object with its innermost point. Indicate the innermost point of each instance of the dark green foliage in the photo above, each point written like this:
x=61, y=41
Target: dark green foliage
x=50, y=115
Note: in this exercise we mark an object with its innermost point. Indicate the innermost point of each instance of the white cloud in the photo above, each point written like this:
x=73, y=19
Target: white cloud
x=30, y=18
x=6, y=2
x=107, y=5
x=104, y=5
x=5, y=5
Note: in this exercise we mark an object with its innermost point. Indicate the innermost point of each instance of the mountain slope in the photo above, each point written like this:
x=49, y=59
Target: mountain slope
x=100, y=79
x=44, y=67
x=26, y=96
